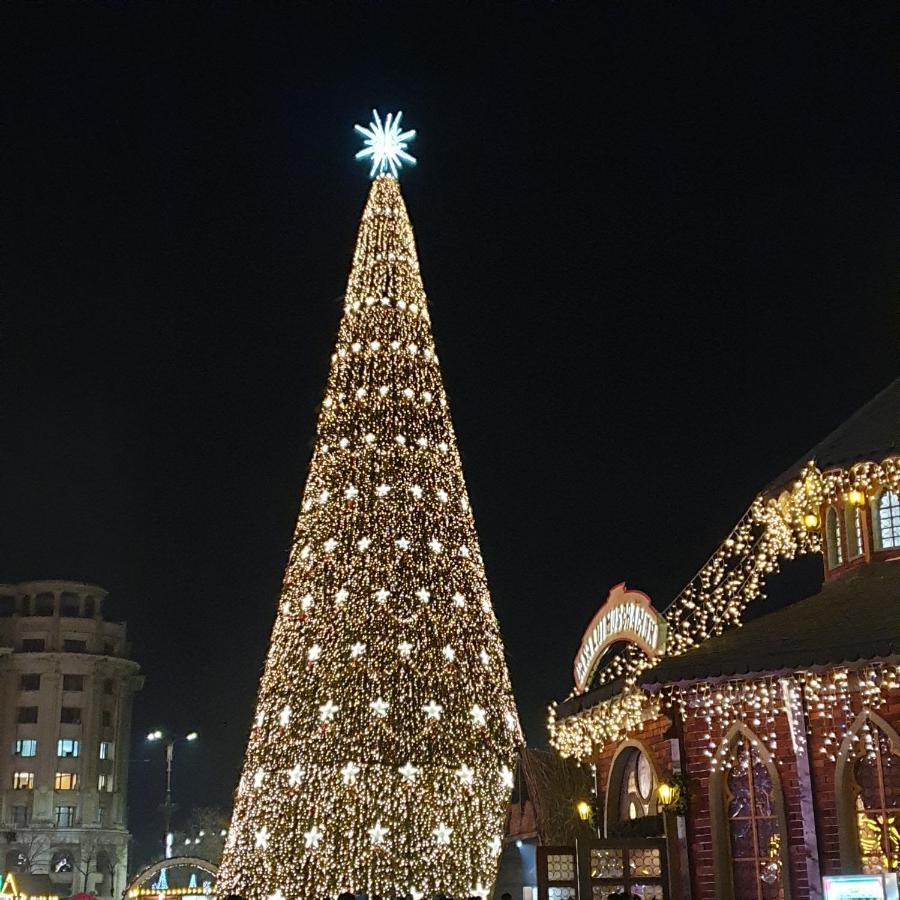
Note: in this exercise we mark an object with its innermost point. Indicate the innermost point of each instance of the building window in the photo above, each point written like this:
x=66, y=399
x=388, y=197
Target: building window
x=21, y=816
x=833, y=539
x=853, y=522
x=106, y=718
x=100, y=818
x=7, y=606
x=71, y=645
x=23, y=781
x=104, y=782
x=73, y=682
x=106, y=749
x=68, y=747
x=887, y=520
x=876, y=784
x=637, y=787
x=63, y=861
x=66, y=781
x=89, y=607
x=27, y=715
x=33, y=645
x=108, y=686
x=25, y=747
x=70, y=715
x=30, y=682
x=69, y=605
x=43, y=605
x=755, y=838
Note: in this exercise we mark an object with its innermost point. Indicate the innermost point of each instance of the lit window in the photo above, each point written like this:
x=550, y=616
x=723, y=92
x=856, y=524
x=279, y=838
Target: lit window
x=23, y=781
x=106, y=749
x=853, y=522
x=833, y=539
x=752, y=804
x=104, y=782
x=25, y=747
x=66, y=781
x=68, y=747
x=65, y=818
x=887, y=519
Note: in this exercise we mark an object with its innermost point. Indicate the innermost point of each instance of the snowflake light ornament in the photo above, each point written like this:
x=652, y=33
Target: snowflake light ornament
x=385, y=144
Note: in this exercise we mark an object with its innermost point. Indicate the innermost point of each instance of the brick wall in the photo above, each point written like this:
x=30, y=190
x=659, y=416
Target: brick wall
x=822, y=833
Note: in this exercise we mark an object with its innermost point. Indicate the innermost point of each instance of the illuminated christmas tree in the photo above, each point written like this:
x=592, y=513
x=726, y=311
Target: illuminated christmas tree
x=380, y=759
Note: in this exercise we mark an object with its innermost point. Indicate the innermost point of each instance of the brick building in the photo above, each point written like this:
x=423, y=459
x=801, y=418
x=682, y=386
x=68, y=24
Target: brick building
x=766, y=756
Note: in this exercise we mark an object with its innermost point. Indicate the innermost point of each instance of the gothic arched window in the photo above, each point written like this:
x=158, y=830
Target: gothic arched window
x=887, y=520
x=873, y=766
x=854, y=526
x=833, y=539
x=748, y=822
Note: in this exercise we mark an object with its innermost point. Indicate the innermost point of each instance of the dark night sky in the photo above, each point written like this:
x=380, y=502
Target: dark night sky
x=658, y=241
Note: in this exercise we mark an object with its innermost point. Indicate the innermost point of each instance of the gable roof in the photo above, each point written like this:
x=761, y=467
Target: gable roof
x=872, y=432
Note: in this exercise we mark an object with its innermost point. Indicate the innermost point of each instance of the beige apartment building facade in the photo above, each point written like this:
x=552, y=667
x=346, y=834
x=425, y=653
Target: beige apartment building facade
x=66, y=691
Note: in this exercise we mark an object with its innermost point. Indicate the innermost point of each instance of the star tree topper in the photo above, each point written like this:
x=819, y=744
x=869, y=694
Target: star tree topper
x=385, y=144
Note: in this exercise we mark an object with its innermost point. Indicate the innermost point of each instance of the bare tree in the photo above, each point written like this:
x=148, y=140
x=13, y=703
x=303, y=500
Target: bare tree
x=31, y=845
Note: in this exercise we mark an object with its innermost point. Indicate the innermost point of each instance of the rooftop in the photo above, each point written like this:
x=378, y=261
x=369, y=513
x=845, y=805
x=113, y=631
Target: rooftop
x=871, y=433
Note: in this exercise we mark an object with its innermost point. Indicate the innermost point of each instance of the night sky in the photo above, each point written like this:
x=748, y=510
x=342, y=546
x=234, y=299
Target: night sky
x=658, y=240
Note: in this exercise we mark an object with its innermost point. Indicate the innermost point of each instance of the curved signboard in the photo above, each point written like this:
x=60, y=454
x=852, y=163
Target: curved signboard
x=626, y=615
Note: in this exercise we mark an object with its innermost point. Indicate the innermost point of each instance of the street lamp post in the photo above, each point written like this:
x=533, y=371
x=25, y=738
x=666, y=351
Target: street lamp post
x=168, y=807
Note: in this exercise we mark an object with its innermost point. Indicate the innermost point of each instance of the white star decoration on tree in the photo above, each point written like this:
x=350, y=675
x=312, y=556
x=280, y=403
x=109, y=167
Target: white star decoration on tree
x=433, y=709
x=357, y=650
x=349, y=773
x=385, y=144
x=478, y=716
x=258, y=778
x=442, y=833
x=278, y=895
x=327, y=711
x=295, y=776
x=261, y=837
x=312, y=837
x=379, y=707
x=409, y=772
x=496, y=846
x=404, y=648
x=506, y=777
x=377, y=833
x=465, y=775
x=285, y=716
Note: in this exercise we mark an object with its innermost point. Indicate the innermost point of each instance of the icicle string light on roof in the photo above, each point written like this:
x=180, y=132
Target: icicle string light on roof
x=385, y=723
x=772, y=530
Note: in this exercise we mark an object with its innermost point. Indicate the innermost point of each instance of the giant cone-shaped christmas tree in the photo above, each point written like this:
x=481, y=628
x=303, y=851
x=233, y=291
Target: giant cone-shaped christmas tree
x=380, y=757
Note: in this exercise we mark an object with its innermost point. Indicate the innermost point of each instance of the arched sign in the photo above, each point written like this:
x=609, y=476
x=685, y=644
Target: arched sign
x=625, y=616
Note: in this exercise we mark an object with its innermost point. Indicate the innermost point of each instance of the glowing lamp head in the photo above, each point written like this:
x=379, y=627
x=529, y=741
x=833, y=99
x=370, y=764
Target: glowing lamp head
x=154, y=736
x=666, y=793
x=192, y=736
x=856, y=498
x=583, y=808
x=811, y=521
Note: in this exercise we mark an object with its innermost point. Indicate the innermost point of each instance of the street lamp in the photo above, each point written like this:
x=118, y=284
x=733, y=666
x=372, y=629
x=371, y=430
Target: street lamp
x=168, y=807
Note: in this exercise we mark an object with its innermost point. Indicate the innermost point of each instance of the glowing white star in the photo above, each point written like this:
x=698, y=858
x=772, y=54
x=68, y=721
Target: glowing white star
x=258, y=777
x=423, y=594
x=465, y=775
x=306, y=602
x=404, y=648
x=483, y=656
x=327, y=711
x=459, y=599
x=314, y=652
x=449, y=653
x=402, y=544
x=330, y=545
x=382, y=490
x=433, y=709
x=341, y=595
x=381, y=595
x=261, y=836
x=357, y=650
x=409, y=772
x=377, y=833
x=379, y=707
x=435, y=545
x=496, y=845
x=278, y=895
x=312, y=837
x=506, y=777
x=385, y=144
x=295, y=776
x=349, y=773
x=285, y=716
x=442, y=833
x=363, y=544
x=478, y=716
